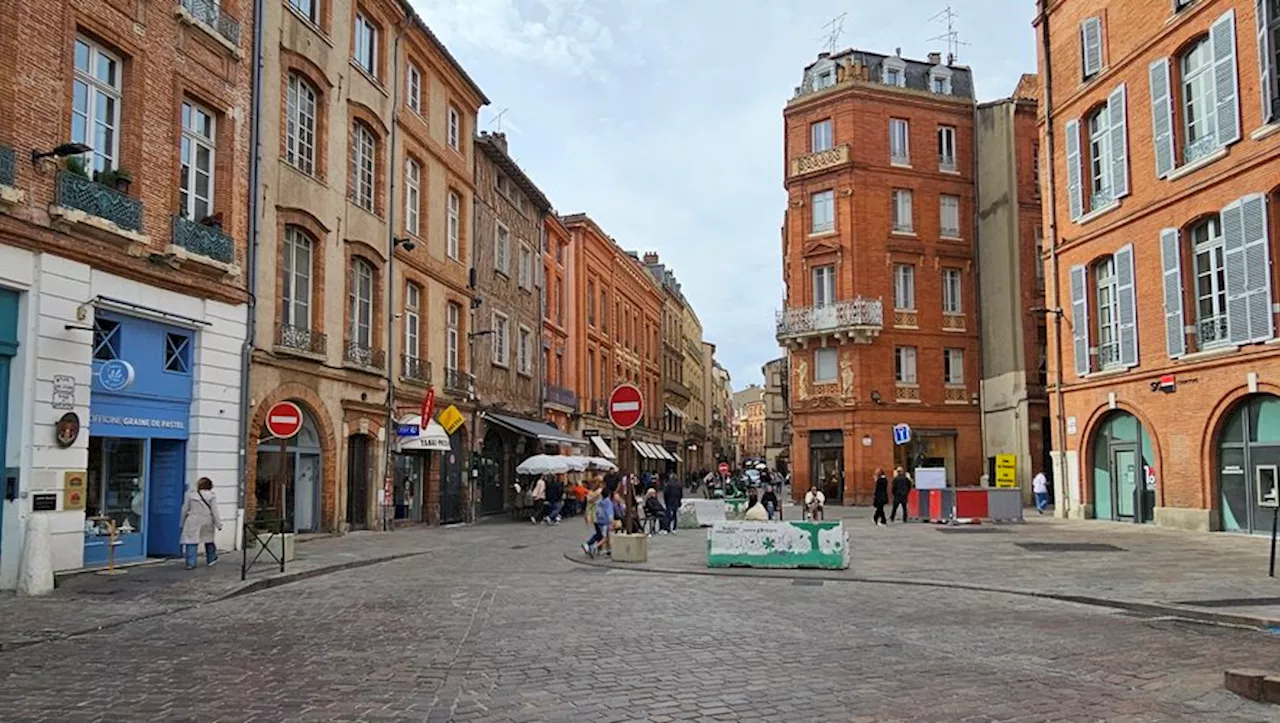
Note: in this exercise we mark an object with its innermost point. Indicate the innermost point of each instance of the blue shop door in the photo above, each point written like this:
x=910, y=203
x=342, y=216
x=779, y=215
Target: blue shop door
x=164, y=512
x=8, y=347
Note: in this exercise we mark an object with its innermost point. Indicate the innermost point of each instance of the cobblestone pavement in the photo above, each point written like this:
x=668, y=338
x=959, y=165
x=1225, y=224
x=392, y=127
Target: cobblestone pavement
x=494, y=624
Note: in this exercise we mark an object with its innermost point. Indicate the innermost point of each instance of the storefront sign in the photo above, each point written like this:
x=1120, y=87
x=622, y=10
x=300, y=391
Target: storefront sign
x=115, y=375
x=901, y=434
x=451, y=419
x=67, y=430
x=428, y=404
x=141, y=422
x=407, y=430
x=64, y=392
x=1006, y=470
x=44, y=503
x=73, y=490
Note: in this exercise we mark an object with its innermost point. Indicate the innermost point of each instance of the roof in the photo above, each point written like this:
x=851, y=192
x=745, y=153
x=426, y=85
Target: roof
x=417, y=19
x=495, y=147
x=871, y=68
x=1028, y=87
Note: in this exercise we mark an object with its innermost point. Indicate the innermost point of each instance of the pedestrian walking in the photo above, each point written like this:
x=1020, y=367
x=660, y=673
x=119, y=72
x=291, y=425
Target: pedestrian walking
x=901, y=491
x=604, y=514
x=880, y=497
x=770, y=501
x=672, y=497
x=1040, y=486
x=555, y=500
x=539, y=497
x=199, y=519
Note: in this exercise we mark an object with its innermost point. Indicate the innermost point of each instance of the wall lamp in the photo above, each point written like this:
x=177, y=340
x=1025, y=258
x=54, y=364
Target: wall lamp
x=406, y=243
x=875, y=397
x=1044, y=310
x=62, y=151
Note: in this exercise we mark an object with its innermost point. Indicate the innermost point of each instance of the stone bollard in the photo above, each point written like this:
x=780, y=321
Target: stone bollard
x=35, y=568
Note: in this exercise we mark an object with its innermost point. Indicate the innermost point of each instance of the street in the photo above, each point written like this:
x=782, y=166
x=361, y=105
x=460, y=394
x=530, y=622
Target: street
x=494, y=623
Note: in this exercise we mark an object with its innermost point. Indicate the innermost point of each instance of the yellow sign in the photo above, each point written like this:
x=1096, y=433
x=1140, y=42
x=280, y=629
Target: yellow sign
x=450, y=419
x=73, y=490
x=1006, y=470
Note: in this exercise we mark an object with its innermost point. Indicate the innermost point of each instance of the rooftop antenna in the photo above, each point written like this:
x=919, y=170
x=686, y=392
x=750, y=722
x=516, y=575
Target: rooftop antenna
x=832, y=32
x=496, y=122
x=952, y=36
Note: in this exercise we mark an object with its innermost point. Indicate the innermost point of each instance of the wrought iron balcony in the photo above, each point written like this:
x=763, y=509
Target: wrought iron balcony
x=456, y=380
x=7, y=169
x=1211, y=332
x=561, y=396
x=697, y=431
x=76, y=191
x=676, y=388
x=1199, y=149
x=415, y=368
x=199, y=238
x=209, y=13
x=858, y=319
x=365, y=356
x=301, y=339
x=1100, y=199
x=946, y=162
x=820, y=161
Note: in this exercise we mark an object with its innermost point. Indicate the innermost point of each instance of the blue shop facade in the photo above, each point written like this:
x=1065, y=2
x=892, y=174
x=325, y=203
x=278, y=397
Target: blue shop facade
x=139, y=427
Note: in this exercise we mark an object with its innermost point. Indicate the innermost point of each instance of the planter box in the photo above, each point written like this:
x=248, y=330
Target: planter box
x=822, y=545
x=274, y=545
x=630, y=548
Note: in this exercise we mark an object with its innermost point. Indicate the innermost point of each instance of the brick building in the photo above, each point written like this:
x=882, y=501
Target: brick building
x=879, y=180
x=124, y=219
x=1015, y=405
x=676, y=395
x=559, y=398
x=1161, y=122
x=364, y=254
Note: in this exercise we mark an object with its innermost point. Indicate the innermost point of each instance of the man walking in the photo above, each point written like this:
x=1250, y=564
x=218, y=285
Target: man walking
x=901, y=491
x=555, y=500
x=672, y=496
x=1040, y=486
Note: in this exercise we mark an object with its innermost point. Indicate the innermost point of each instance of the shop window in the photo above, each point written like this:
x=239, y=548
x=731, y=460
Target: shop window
x=106, y=339
x=177, y=353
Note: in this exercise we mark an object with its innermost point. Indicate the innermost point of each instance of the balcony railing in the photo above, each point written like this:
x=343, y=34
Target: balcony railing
x=907, y=318
x=301, y=339
x=1211, y=332
x=415, y=368
x=1109, y=355
x=365, y=356
x=697, y=431
x=208, y=12
x=204, y=240
x=953, y=322
x=955, y=394
x=854, y=316
x=7, y=174
x=456, y=380
x=946, y=163
x=677, y=389
x=820, y=161
x=562, y=396
x=76, y=191
x=1201, y=148
x=906, y=392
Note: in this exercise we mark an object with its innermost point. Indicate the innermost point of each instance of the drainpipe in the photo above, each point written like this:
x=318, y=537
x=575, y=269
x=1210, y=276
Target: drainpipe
x=1061, y=486
x=251, y=268
x=540, y=290
x=977, y=284
x=389, y=428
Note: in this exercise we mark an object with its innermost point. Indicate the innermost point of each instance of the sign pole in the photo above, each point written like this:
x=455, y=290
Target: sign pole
x=1275, y=522
x=284, y=445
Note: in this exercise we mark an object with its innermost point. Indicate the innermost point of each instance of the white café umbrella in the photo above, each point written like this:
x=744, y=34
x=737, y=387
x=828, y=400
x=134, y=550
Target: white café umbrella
x=602, y=464
x=576, y=464
x=543, y=464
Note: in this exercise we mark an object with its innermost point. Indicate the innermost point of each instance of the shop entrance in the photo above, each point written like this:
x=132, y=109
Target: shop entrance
x=8, y=348
x=1249, y=464
x=489, y=465
x=826, y=462
x=1124, y=480
x=300, y=484
x=411, y=469
x=451, y=479
x=358, y=478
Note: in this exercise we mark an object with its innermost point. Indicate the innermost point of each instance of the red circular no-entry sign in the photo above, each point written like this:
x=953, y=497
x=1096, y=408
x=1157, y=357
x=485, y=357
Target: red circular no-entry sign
x=284, y=419
x=626, y=406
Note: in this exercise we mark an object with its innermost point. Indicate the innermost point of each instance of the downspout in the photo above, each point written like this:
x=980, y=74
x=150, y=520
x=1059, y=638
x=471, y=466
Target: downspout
x=1061, y=485
x=251, y=268
x=540, y=290
x=389, y=429
x=977, y=284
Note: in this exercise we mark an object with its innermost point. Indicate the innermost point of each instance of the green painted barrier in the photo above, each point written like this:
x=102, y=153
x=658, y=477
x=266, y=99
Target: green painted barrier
x=735, y=507
x=822, y=545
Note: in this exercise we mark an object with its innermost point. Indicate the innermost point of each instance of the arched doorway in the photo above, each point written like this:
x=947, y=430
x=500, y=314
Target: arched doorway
x=1248, y=463
x=289, y=476
x=1124, y=480
x=359, y=479
x=489, y=465
x=451, y=509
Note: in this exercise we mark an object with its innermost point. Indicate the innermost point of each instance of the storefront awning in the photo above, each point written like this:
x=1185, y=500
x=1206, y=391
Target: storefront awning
x=675, y=411
x=666, y=454
x=677, y=456
x=642, y=449
x=531, y=428
x=431, y=438
x=602, y=447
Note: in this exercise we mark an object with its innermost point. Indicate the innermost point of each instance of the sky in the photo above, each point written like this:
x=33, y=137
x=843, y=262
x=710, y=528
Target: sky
x=662, y=120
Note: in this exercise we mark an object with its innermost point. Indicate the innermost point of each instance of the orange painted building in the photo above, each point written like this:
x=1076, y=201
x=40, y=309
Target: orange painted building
x=560, y=396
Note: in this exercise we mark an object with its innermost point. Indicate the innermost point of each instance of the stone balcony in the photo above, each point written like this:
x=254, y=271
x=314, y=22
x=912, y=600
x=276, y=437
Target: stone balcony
x=820, y=161
x=555, y=395
x=857, y=320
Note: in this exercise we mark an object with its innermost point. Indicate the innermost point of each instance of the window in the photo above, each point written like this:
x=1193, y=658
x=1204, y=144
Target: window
x=1038, y=261
x=953, y=360
x=501, y=246
x=949, y=210
x=501, y=333
x=946, y=148
x=824, y=365
x=177, y=353
x=453, y=316
x=824, y=212
x=1199, y=123
x=591, y=375
x=1097, y=164
x=106, y=339
x=591, y=303
x=904, y=287
x=1099, y=151
x=893, y=76
x=412, y=195
x=1269, y=59
x=904, y=364
x=300, y=125
x=296, y=278
x=899, y=143
x=825, y=79
x=455, y=127
x=1035, y=167
x=824, y=286
x=366, y=45
x=412, y=308
x=604, y=311
x=1197, y=112
x=1211, y=284
x=455, y=220
x=196, y=192
x=363, y=149
x=1090, y=47
x=951, y=292
x=360, y=305
x=524, y=360
x=309, y=9
x=1108, y=314
x=902, y=211
x=526, y=267
x=940, y=80
x=894, y=72
x=413, y=88
x=95, y=104
x=821, y=137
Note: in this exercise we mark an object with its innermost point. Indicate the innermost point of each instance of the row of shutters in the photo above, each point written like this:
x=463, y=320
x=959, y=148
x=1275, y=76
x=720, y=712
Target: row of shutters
x=1247, y=266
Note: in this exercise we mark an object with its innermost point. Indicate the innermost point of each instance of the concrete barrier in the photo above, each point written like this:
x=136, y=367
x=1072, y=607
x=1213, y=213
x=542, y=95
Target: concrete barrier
x=35, y=568
x=823, y=545
x=696, y=513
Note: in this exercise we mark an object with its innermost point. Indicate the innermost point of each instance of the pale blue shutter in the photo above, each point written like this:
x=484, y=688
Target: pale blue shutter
x=1265, y=65
x=1119, y=136
x=1080, y=319
x=1257, y=264
x=1074, y=198
x=1091, y=46
x=1126, y=307
x=1161, y=116
x=1237, y=275
x=1175, y=337
x=1223, y=37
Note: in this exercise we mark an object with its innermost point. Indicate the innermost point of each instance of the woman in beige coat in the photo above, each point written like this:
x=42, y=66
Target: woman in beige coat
x=199, y=519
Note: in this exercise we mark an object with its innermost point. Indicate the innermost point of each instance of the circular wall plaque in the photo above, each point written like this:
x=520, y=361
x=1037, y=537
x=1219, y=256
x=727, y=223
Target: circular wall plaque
x=67, y=429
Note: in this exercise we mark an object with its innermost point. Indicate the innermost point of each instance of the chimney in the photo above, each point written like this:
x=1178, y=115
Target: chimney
x=650, y=258
x=499, y=140
x=935, y=58
x=897, y=52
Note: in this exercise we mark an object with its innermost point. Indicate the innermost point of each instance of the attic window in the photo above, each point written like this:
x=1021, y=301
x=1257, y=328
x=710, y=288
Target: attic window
x=894, y=72
x=826, y=79
x=940, y=81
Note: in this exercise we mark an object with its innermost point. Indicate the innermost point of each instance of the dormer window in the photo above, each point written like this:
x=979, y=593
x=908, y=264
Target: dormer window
x=894, y=72
x=940, y=80
x=825, y=79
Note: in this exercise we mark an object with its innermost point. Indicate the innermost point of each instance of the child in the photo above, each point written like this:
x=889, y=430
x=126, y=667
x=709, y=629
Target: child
x=603, y=519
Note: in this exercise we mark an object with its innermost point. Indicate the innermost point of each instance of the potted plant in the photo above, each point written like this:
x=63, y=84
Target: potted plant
x=75, y=165
x=118, y=178
x=213, y=221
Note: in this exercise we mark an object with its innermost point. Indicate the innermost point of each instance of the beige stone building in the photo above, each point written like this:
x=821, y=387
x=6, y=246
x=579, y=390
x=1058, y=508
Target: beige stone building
x=777, y=415
x=720, y=427
x=362, y=293
x=697, y=451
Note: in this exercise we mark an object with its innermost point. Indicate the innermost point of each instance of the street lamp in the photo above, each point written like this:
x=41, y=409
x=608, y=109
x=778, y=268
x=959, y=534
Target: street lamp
x=62, y=151
x=475, y=416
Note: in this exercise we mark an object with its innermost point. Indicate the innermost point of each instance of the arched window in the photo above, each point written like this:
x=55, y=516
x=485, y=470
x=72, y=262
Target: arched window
x=364, y=149
x=1211, y=283
x=1199, y=123
x=1108, y=292
x=300, y=125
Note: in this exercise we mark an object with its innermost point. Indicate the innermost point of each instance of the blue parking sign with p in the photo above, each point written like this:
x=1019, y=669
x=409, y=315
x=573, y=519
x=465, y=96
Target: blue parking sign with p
x=901, y=433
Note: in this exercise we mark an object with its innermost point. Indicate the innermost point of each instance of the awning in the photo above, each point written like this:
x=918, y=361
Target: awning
x=675, y=411
x=602, y=446
x=431, y=438
x=666, y=453
x=531, y=428
x=660, y=453
x=642, y=448
x=677, y=456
